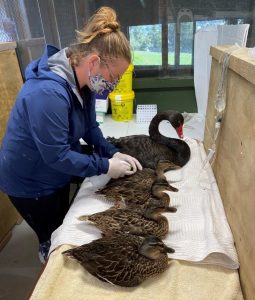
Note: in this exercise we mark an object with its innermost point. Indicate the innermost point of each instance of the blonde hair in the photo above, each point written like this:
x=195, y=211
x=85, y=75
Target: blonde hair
x=101, y=34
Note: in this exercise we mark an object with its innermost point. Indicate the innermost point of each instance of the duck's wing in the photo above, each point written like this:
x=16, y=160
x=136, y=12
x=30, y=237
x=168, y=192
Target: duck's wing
x=118, y=220
x=129, y=186
x=112, y=259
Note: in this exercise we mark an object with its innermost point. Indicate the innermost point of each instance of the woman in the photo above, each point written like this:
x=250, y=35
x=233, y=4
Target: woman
x=54, y=109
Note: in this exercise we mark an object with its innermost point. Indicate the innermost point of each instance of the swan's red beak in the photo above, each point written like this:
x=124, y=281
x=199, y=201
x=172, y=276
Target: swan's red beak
x=179, y=131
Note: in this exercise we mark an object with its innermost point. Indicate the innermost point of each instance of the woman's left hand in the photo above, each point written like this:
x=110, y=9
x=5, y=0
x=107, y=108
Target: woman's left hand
x=132, y=161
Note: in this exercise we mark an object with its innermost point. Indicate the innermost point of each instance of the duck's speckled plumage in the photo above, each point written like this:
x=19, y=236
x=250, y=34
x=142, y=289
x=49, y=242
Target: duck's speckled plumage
x=137, y=189
x=155, y=147
x=141, y=221
x=122, y=259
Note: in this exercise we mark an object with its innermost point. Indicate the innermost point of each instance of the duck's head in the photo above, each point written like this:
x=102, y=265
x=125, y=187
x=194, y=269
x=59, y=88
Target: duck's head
x=164, y=165
x=153, y=247
x=158, y=189
x=155, y=207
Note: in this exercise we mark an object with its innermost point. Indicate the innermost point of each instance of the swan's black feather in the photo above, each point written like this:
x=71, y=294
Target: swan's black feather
x=149, y=150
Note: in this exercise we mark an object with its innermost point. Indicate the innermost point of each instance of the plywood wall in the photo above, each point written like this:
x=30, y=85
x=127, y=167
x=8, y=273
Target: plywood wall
x=10, y=82
x=234, y=167
x=8, y=216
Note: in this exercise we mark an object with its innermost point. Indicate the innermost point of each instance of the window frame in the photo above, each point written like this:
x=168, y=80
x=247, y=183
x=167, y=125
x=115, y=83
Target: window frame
x=176, y=70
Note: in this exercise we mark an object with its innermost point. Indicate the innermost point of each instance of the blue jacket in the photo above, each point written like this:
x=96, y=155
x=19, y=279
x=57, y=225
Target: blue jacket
x=40, y=150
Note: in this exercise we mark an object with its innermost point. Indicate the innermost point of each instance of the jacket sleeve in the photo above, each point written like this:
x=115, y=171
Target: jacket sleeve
x=101, y=146
x=95, y=136
x=49, y=125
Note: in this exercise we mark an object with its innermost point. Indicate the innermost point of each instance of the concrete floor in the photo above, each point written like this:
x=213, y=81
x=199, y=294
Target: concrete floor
x=19, y=264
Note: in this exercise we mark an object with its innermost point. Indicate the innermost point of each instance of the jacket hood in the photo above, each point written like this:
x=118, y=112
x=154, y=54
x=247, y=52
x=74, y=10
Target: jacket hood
x=59, y=64
x=39, y=69
x=54, y=65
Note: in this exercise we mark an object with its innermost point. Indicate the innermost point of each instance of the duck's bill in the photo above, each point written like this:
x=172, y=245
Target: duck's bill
x=169, y=250
x=171, y=209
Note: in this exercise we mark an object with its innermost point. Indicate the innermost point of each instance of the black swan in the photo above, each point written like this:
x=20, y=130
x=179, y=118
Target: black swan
x=155, y=147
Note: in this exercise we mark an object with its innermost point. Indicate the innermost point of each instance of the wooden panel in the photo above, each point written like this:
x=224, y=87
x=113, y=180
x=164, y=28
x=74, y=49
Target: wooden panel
x=234, y=166
x=5, y=240
x=8, y=216
x=241, y=62
x=10, y=84
x=7, y=46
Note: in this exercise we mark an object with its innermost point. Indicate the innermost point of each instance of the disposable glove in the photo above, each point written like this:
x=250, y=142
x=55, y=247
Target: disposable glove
x=133, y=162
x=118, y=168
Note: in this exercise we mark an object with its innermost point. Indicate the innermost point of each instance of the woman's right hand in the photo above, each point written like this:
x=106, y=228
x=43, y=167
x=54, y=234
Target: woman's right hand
x=119, y=168
x=132, y=161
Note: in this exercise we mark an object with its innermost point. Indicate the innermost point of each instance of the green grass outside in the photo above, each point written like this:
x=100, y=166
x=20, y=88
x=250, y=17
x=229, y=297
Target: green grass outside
x=146, y=58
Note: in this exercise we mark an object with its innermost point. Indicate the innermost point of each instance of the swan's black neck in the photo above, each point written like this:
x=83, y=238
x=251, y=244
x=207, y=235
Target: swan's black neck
x=180, y=147
x=154, y=133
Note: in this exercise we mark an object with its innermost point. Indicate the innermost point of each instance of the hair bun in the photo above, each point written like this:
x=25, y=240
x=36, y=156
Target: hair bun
x=113, y=25
x=105, y=20
x=101, y=34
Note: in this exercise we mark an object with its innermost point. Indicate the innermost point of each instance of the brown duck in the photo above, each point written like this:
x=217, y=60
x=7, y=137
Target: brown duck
x=137, y=189
x=150, y=149
x=123, y=259
x=141, y=221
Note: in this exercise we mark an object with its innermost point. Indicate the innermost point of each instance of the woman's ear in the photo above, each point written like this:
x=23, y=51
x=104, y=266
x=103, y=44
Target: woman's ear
x=94, y=63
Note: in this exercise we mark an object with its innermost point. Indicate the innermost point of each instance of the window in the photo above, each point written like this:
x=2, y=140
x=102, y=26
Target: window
x=186, y=43
x=161, y=32
x=171, y=43
x=203, y=24
x=7, y=26
x=154, y=55
x=146, y=44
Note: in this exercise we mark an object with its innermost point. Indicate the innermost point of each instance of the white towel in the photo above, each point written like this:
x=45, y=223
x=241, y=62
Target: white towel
x=199, y=231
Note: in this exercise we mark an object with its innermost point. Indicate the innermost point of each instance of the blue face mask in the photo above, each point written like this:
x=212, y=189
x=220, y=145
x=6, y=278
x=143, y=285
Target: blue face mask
x=99, y=84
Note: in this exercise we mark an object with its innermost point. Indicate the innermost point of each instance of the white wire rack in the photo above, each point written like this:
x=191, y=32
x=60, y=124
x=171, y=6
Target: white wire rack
x=145, y=112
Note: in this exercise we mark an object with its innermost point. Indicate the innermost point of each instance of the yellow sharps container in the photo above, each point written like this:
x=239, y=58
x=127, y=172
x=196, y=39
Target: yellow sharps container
x=122, y=98
x=125, y=84
x=122, y=105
